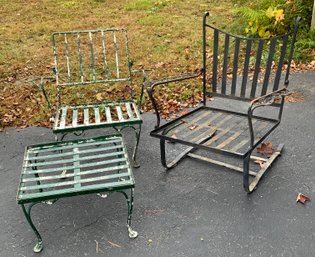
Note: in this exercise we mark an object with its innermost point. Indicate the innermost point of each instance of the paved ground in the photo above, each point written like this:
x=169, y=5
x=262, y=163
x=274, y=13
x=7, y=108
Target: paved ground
x=194, y=210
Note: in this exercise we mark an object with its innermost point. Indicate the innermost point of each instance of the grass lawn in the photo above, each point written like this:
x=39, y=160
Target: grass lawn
x=164, y=35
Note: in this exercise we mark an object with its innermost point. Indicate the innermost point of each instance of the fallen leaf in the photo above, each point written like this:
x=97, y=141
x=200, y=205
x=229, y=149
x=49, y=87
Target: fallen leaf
x=99, y=97
x=302, y=198
x=265, y=149
x=261, y=163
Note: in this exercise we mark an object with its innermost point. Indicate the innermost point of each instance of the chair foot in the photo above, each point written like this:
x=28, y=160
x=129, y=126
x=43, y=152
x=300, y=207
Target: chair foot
x=38, y=247
x=135, y=164
x=132, y=233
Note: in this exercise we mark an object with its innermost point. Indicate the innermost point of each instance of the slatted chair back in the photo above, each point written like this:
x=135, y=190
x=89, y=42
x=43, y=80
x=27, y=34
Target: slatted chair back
x=245, y=68
x=91, y=57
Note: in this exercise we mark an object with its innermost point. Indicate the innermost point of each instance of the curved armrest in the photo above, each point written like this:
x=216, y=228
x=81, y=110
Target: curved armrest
x=42, y=88
x=150, y=85
x=266, y=100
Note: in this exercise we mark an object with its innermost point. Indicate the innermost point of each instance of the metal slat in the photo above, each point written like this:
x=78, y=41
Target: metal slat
x=80, y=57
x=257, y=68
x=63, y=117
x=69, y=175
x=119, y=113
x=86, y=158
x=280, y=64
x=70, y=183
x=86, y=116
x=67, y=58
x=223, y=132
x=246, y=64
x=85, y=151
x=74, y=118
x=269, y=65
x=63, y=146
x=97, y=115
x=235, y=65
x=215, y=60
x=135, y=108
x=92, y=56
x=76, y=171
x=106, y=70
x=116, y=54
x=108, y=115
x=225, y=63
x=86, y=165
x=121, y=183
x=129, y=111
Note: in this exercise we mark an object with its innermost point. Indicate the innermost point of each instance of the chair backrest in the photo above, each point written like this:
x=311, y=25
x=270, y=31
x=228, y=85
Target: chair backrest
x=91, y=56
x=245, y=68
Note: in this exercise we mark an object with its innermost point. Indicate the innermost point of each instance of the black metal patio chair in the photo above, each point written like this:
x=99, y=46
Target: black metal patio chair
x=237, y=68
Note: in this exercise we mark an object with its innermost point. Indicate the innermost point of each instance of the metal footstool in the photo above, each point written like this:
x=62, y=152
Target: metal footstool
x=63, y=169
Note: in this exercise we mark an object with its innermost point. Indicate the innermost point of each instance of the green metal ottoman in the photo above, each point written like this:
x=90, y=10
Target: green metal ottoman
x=93, y=165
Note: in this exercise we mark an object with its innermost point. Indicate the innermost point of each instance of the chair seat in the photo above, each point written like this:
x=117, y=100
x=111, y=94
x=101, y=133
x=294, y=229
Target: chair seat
x=215, y=129
x=89, y=116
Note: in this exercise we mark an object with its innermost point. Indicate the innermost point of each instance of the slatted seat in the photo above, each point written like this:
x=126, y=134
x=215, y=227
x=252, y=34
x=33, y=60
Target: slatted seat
x=93, y=165
x=74, y=117
x=88, y=63
x=239, y=70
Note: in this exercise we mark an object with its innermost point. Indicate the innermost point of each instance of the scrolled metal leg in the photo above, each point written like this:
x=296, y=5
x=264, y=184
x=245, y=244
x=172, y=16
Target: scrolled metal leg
x=132, y=233
x=27, y=212
x=135, y=150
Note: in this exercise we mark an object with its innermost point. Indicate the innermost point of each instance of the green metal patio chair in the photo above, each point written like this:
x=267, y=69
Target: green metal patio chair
x=88, y=59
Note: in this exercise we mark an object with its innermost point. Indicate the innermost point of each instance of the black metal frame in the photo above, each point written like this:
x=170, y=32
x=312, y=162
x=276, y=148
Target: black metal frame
x=273, y=98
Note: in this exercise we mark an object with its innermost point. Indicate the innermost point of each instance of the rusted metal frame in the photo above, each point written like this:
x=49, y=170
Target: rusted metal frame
x=250, y=187
x=296, y=27
x=222, y=164
x=273, y=42
x=150, y=85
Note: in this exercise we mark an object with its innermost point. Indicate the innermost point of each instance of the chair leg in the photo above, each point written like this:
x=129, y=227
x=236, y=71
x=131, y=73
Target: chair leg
x=27, y=212
x=176, y=160
x=132, y=233
x=135, y=151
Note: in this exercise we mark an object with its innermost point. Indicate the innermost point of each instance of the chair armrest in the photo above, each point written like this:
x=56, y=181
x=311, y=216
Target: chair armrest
x=150, y=85
x=40, y=83
x=144, y=79
x=266, y=100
